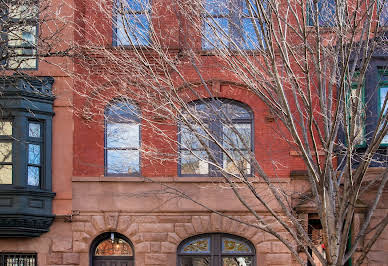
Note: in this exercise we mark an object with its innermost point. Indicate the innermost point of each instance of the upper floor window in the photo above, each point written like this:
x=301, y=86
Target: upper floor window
x=122, y=139
x=324, y=16
x=216, y=137
x=132, y=23
x=231, y=24
x=216, y=249
x=18, y=28
x=383, y=19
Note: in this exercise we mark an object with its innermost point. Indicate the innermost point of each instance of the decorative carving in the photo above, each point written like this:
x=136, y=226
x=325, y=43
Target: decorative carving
x=111, y=220
x=24, y=225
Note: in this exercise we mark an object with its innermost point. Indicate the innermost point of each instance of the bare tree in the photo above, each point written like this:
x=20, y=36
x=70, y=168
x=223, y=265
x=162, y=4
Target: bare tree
x=305, y=61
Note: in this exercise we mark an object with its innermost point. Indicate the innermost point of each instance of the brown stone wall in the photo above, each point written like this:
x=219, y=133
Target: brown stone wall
x=156, y=237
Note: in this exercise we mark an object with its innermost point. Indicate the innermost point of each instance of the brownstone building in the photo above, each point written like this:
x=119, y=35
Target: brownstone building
x=82, y=190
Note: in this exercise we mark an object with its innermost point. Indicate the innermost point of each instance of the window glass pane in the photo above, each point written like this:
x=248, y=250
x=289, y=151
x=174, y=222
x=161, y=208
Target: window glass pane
x=384, y=13
x=217, y=7
x=326, y=12
x=235, y=111
x=195, y=261
x=383, y=93
x=6, y=174
x=22, y=36
x=237, y=136
x=240, y=162
x=194, y=162
x=133, y=29
x=201, y=245
x=122, y=112
x=33, y=176
x=250, y=40
x=216, y=32
x=134, y=5
x=123, y=162
x=230, y=245
x=16, y=11
x=120, y=135
x=34, y=130
x=237, y=261
x=5, y=128
x=245, y=8
x=22, y=61
x=5, y=152
x=33, y=154
x=117, y=247
x=190, y=141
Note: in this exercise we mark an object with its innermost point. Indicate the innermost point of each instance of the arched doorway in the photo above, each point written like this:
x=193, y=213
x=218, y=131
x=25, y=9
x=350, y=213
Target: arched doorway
x=111, y=249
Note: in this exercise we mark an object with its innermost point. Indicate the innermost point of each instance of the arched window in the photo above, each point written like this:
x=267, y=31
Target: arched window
x=111, y=249
x=215, y=137
x=122, y=139
x=215, y=250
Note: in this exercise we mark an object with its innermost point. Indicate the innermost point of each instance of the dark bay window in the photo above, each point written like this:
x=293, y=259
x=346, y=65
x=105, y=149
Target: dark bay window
x=25, y=155
x=122, y=139
x=18, y=29
x=215, y=138
x=131, y=25
x=230, y=24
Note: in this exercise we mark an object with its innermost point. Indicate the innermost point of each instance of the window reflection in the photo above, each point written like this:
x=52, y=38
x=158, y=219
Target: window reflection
x=215, y=138
x=122, y=139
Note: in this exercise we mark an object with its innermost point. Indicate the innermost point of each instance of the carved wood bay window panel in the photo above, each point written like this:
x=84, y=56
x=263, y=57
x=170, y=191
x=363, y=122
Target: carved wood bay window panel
x=212, y=121
x=215, y=250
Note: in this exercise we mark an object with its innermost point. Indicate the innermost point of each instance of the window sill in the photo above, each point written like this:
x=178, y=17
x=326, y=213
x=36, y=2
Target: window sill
x=215, y=52
x=167, y=179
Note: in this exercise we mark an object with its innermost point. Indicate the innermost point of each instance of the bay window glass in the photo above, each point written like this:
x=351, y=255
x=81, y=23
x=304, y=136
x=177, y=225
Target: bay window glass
x=5, y=152
x=216, y=249
x=34, y=165
x=215, y=138
x=122, y=139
